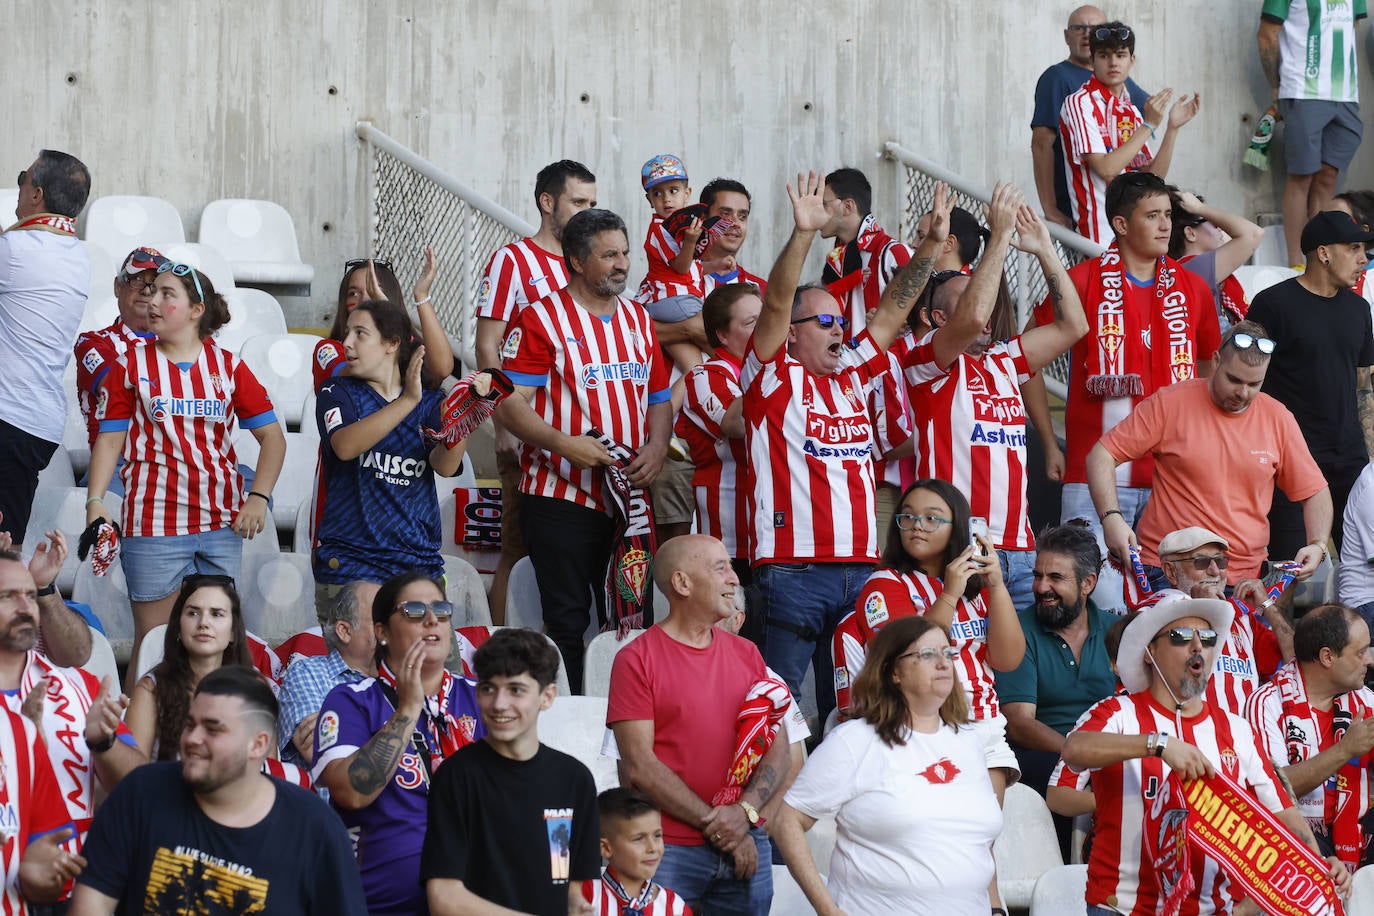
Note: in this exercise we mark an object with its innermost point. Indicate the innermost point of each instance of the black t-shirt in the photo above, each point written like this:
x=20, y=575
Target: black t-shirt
x=515, y=832
x=1319, y=344
x=154, y=850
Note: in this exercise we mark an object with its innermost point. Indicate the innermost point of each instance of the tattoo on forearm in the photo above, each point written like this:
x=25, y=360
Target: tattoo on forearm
x=377, y=760
x=1365, y=399
x=1056, y=296
x=764, y=782
x=906, y=286
x=1269, y=63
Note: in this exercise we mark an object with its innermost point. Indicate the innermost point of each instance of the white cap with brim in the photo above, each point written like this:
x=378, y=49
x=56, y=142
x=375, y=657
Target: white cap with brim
x=1130, y=657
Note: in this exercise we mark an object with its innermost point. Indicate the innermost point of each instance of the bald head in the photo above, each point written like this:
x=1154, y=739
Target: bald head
x=1080, y=23
x=694, y=573
x=678, y=555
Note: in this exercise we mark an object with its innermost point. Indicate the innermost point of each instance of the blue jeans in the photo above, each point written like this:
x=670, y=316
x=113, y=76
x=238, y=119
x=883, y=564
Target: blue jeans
x=1078, y=503
x=1018, y=567
x=800, y=604
x=154, y=566
x=705, y=878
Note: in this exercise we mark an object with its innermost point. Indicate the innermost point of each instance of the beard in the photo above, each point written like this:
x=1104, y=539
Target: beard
x=1191, y=686
x=1059, y=615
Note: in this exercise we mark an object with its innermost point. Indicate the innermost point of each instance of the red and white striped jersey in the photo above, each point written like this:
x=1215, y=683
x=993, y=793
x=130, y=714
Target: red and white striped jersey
x=30, y=801
x=1119, y=870
x=662, y=282
x=605, y=902
x=972, y=432
x=890, y=595
x=96, y=352
x=711, y=388
x=809, y=439
x=180, y=471
x=308, y=643
x=287, y=772
x=588, y=371
x=1095, y=121
x=878, y=270
x=890, y=411
x=265, y=660
x=516, y=275
x=1235, y=675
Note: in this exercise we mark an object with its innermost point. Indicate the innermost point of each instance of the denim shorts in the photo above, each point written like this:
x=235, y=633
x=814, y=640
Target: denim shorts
x=155, y=566
x=674, y=308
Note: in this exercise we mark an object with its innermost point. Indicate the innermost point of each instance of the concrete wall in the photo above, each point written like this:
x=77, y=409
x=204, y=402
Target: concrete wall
x=257, y=98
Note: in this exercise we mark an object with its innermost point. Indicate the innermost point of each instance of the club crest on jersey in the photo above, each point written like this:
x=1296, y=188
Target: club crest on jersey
x=853, y=398
x=511, y=347
x=328, y=730
x=217, y=383
x=92, y=360
x=632, y=574
x=467, y=727
x=875, y=611
x=940, y=772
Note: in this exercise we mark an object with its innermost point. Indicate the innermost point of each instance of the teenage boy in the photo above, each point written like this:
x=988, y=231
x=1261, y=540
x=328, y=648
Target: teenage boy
x=1104, y=134
x=497, y=806
x=632, y=845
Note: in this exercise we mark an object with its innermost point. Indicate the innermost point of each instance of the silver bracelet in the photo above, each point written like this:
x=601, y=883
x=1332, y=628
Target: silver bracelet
x=420, y=302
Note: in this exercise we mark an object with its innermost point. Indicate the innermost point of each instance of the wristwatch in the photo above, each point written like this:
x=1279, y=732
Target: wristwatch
x=751, y=812
x=1161, y=744
x=49, y=589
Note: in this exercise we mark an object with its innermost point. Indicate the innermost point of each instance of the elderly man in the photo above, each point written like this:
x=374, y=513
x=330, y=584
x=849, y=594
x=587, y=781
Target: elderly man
x=678, y=745
x=1065, y=669
x=586, y=358
x=1249, y=435
x=349, y=637
x=214, y=827
x=45, y=276
x=1131, y=744
x=1315, y=720
x=1194, y=560
x=809, y=439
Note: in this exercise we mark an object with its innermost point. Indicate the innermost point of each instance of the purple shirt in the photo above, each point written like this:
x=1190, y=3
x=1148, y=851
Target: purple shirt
x=387, y=835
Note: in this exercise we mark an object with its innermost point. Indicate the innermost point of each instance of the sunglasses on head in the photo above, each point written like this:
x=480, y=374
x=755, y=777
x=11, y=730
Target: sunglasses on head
x=350, y=266
x=1106, y=34
x=416, y=610
x=1182, y=636
x=826, y=321
x=200, y=580
x=182, y=270
x=1245, y=341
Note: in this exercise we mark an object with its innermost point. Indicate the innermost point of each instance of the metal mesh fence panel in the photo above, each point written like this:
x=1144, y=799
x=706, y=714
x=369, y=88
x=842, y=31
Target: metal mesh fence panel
x=410, y=211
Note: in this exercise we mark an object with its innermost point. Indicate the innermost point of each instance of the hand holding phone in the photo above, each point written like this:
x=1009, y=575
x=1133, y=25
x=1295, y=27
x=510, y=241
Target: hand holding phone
x=977, y=527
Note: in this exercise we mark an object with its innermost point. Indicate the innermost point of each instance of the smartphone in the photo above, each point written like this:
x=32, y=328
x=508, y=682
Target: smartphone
x=977, y=527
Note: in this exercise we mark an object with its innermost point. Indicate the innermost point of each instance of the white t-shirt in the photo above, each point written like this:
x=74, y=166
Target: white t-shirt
x=1356, y=576
x=914, y=822
x=44, y=281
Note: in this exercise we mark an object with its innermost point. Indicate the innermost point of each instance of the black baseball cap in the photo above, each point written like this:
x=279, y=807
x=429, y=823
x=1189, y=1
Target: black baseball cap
x=1333, y=227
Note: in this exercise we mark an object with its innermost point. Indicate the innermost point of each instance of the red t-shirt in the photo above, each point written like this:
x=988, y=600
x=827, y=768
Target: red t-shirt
x=693, y=697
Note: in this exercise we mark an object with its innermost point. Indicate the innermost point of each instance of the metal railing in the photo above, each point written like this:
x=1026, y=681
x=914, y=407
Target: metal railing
x=1024, y=279
x=414, y=203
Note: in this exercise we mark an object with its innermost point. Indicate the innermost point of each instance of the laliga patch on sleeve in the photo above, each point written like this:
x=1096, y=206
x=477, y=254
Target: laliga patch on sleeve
x=328, y=730
x=92, y=360
x=841, y=678
x=511, y=347
x=102, y=403
x=484, y=291
x=327, y=354
x=875, y=610
x=333, y=419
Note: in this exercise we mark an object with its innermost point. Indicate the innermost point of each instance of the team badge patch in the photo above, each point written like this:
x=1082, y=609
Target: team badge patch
x=92, y=360
x=940, y=772
x=102, y=401
x=632, y=574
x=328, y=730
x=511, y=347
x=333, y=419
x=467, y=727
x=841, y=678
x=875, y=611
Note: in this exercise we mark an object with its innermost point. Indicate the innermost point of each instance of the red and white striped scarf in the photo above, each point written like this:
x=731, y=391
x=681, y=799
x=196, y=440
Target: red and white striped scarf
x=760, y=717
x=441, y=730
x=844, y=263
x=46, y=222
x=64, y=727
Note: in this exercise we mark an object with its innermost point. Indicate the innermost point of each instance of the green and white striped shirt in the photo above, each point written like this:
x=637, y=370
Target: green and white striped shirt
x=1317, y=47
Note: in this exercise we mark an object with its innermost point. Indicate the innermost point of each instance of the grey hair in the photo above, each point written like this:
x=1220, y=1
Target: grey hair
x=343, y=608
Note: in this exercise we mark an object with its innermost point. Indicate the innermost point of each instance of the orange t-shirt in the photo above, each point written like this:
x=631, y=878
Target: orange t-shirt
x=1215, y=469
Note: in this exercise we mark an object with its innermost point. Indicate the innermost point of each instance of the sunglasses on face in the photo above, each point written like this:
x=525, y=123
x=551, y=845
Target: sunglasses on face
x=907, y=522
x=23, y=176
x=1246, y=341
x=1200, y=562
x=416, y=610
x=1106, y=34
x=182, y=270
x=1182, y=636
x=826, y=321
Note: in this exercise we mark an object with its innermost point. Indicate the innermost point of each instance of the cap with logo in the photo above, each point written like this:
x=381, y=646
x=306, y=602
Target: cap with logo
x=661, y=168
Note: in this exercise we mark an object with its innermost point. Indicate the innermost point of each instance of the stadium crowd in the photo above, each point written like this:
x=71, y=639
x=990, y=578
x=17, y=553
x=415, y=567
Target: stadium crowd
x=826, y=476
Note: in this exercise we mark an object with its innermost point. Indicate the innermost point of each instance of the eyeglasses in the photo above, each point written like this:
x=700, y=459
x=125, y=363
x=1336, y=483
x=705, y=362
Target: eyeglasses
x=181, y=270
x=1182, y=636
x=1245, y=341
x=826, y=321
x=1106, y=34
x=144, y=286
x=1201, y=563
x=924, y=522
x=928, y=654
x=1080, y=28
x=416, y=610
x=350, y=266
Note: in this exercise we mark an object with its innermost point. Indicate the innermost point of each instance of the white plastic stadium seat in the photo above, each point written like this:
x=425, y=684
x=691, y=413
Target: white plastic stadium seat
x=575, y=725
x=100, y=312
x=252, y=312
x=1062, y=890
x=1256, y=279
x=104, y=263
x=58, y=474
x=150, y=651
x=1027, y=846
x=300, y=538
x=1361, y=902
x=259, y=239
x=281, y=362
x=1273, y=249
x=108, y=597
x=102, y=662
x=561, y=681
x=524, y=608
x=297, y=481
x=121, y=224
x=74, y=437
x=278, y=593
x=601, y=653
x=467, y=594
x=309, y=427
x=64, y=508
x=204, y=259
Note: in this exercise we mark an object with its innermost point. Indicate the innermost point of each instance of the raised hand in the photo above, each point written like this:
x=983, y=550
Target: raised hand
x=1184, y=110
x=1032, y=234
x=808, y=204
x=940, y=209
x=1006, y=202
x=102, y=721
x=413, y=387
x=426, y=280
x=1157, y=105
x=48, y=558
